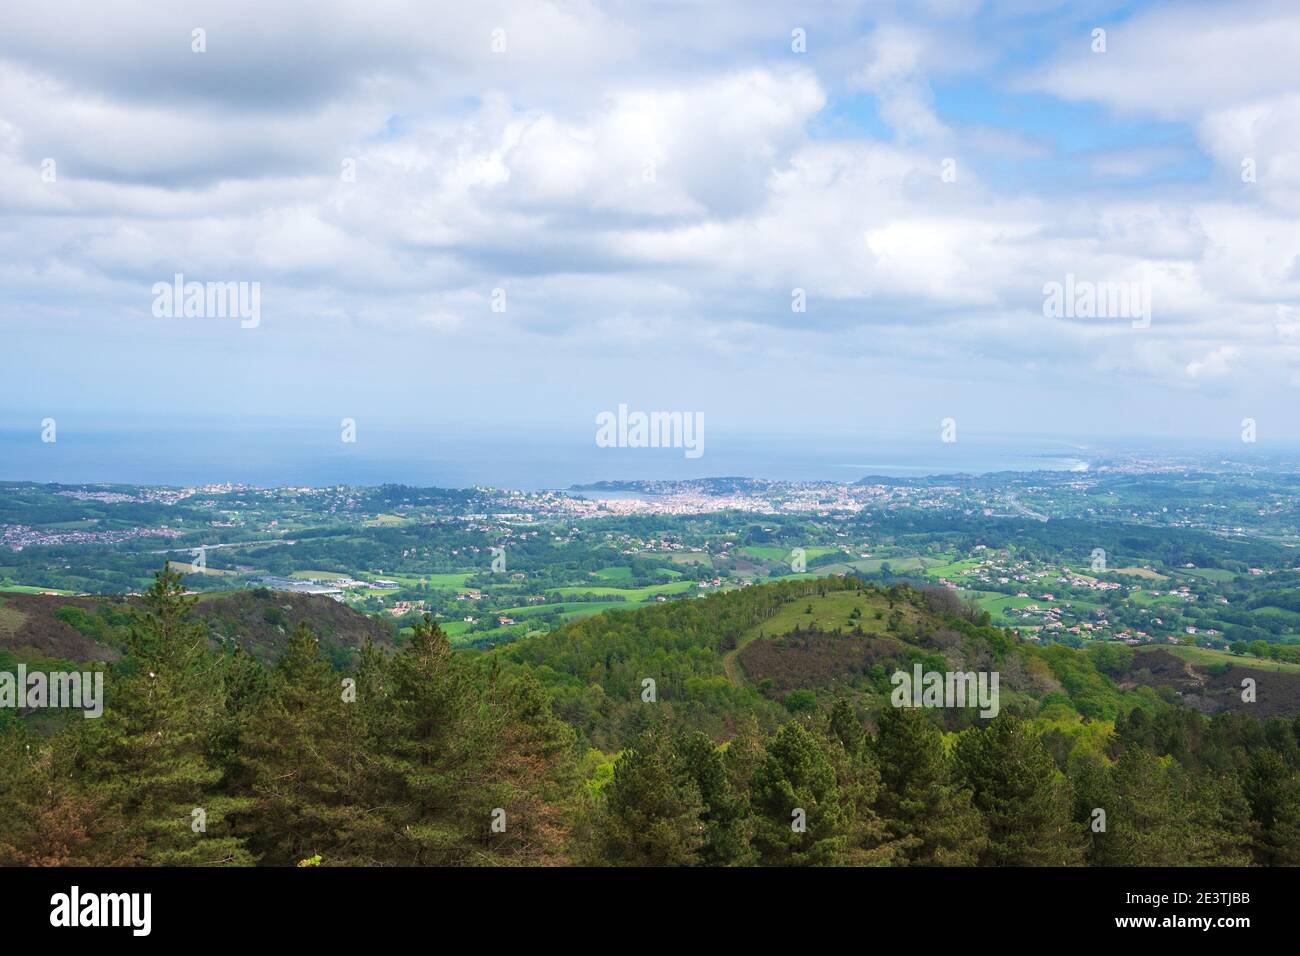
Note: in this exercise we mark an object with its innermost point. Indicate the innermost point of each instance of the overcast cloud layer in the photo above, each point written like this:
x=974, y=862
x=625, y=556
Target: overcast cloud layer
x=648, y=184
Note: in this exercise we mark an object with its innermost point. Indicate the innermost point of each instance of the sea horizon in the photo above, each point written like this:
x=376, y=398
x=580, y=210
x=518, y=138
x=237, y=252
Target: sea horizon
x=533, y=462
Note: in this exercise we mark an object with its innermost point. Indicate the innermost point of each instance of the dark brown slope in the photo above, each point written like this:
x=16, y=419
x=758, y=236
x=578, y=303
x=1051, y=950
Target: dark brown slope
x=93, y=628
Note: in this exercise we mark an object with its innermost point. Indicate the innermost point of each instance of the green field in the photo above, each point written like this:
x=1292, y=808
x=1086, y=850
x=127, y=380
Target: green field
x=767, y=552
x=828, y=612
x=385, y=521
x=1291, y=618
x=631, y=594
x=406, y=580
x=571, y=609
x=450, y=579
x=186, y=568
x=1145, y=598
x=872, y=565
x=1141, y=573
x=1218, y=575
x=693, y=557
x=1205, y=656
x=952, y=569
x=998, y=604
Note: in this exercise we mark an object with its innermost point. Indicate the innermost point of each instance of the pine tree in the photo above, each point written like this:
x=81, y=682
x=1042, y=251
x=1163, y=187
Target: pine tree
x=743, y=753
x=534, y=774
x=653, y=808
x=1150, y=820
x=919, y=800
x=1272, y=790
x=244, y=687
x=430, y=755
x=301, y=774
x=1222, y=818
x=845, y=726
x=726, y=812
x=1024, y=799
x=1091, y=783
x=368, y=837
x=49, y=818
x=152, y=753
x=870, y=842
x=800, y=815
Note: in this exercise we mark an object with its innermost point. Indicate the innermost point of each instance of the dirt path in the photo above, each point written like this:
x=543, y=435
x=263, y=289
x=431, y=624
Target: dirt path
x=731, y=662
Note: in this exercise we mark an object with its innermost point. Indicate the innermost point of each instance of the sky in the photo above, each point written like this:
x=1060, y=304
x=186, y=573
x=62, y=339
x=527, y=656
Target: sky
x=511, y=216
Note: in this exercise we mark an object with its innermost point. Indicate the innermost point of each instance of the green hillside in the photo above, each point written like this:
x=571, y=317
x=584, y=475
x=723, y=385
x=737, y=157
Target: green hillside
x=683, y=733
x=258, y=620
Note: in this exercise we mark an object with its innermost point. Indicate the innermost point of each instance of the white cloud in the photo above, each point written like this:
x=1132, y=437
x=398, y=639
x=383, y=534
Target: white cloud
x=895, y=73
x=1215, y=364
x=655, y=186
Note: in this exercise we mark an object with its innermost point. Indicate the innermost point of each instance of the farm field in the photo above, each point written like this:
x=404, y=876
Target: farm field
x=1146, y=573
x=567, y=609
x=1218, y=575
x=700, y=558
x=451, y=579
x=187, y=569
x=898, y=564
x=1205, y=657
x=1146, y=597
x=385, y=521
x=777, y=553
x=950, y=569
x=998, y=604
x=631, y=594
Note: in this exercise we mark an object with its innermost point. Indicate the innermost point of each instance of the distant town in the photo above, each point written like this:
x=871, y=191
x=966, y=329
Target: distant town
x=1134, y=550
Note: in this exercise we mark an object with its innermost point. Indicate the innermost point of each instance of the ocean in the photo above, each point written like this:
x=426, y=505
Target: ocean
x=271, y=457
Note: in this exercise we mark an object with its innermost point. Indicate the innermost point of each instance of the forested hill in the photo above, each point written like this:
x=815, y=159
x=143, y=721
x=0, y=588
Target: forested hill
x=770, y=708
x=36, y=628
x=595, y=667
x=778, y=650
